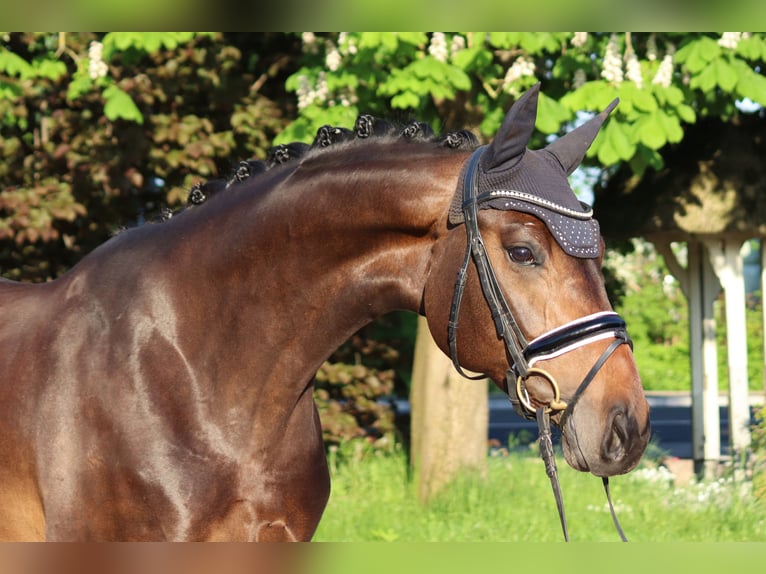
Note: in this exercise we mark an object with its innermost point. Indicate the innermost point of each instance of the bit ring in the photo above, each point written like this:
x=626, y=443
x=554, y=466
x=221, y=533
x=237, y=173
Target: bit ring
x=555, y=404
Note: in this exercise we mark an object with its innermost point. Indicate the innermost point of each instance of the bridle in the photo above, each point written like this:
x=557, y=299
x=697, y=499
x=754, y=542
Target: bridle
x=524, y=355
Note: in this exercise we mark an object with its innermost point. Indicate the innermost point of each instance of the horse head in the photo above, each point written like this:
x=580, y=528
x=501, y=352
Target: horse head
x=530, y=301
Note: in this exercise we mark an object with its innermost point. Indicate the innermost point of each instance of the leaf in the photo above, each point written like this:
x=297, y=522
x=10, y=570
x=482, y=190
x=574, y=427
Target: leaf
x=49, y=69
x=644, y=101
x=119, y=105
x=122, y=41
x=752, y=48
x=13, y=64
x=644, y=158
x=671, y=126
x=80, y=84
x=9, y=91
x=550, y=114
x=370, y=40
x=750, y=83
x=430, y=68
x=413, y=38
x=405, y=100
x=458, y=78
x=698, y=53
x=389, y=40
x=472, y=58
x=705, y=81
x=649, y=131
x=616, y=137
x=607, y=154
x=726, y=77
x=671, y=95
x=594, y=96
x=630, y=95
x=686, y=113
x=504, y=40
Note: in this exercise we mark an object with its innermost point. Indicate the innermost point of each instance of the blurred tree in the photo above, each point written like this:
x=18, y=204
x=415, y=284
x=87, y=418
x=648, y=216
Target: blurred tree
x=100, y=131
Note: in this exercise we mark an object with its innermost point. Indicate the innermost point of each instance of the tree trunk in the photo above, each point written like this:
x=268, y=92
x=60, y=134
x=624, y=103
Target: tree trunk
x=450, y=416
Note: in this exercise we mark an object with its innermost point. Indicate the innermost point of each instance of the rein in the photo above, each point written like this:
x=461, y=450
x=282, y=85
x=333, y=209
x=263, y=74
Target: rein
x=523, y=354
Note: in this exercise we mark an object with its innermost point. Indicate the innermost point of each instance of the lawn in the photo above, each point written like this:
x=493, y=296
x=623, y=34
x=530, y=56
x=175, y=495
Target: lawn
x=373, y=499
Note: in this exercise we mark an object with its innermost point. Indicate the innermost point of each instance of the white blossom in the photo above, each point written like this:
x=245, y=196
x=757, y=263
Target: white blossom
x=346, y=44
x=633, y=69
x=664, y=75
x=579, y=39
x=438, y=46
x=310, y=44
x=333, y=58
x=612, y=67
x=97, y=68
x=730, y=40
x=522, y=66
x=308, y=94
x=457, y=44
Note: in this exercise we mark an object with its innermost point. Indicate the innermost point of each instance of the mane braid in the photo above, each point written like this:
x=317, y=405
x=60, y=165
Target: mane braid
x=366, y=127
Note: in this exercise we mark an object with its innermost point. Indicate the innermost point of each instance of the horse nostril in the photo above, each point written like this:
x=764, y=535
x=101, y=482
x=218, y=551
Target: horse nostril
x=617, y=436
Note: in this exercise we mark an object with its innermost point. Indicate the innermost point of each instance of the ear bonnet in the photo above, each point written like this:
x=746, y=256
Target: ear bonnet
x=512, y=177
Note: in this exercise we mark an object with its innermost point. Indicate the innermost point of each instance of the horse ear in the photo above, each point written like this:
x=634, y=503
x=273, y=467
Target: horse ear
x=570, y=148
x=511, y=139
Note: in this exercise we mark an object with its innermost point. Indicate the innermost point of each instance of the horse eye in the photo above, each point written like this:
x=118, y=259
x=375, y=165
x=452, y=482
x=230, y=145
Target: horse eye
x=521, y=255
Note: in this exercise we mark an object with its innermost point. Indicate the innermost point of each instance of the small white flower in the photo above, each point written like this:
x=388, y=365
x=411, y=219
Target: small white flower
x=633, y=69
x=333, y=59
x=664, y=75
x=346, y=44
x=579, y=39
x=310, y=44
x=303, y=92
x=730, y=40
x=457, y=44
x=97, y=68
x=522, y=66
x=612, y=70
x=438, y=46
x=308, y=94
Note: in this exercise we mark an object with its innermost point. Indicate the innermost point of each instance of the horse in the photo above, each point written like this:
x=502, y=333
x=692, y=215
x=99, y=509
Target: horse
x=161, y=389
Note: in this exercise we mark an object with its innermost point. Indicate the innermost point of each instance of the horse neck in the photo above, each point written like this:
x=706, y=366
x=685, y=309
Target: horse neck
x=333, y=244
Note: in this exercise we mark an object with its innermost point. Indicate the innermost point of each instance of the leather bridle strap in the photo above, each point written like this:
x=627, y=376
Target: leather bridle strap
x=522, y=354
x=546, y=452
x=505, y=324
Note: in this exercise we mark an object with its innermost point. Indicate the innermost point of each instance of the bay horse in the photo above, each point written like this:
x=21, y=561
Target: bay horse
x=161, y=389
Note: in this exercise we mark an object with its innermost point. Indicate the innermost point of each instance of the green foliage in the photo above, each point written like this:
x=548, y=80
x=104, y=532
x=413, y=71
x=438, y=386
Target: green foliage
x=656, y=312
x=101, y=130
x=349, y=394
x=119, y=105
x=91, y=120
x=462, y=80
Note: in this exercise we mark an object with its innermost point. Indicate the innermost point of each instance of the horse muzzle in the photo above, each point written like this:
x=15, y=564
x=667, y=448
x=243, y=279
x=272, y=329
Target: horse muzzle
x=605, y=450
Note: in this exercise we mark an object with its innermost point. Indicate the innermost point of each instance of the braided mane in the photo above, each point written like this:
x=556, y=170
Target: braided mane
x=365, y=127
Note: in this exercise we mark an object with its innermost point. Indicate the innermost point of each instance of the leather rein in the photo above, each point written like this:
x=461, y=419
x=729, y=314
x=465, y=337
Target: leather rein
x=522, y=354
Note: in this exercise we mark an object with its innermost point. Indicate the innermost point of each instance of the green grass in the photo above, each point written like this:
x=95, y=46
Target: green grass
x=374, y=500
